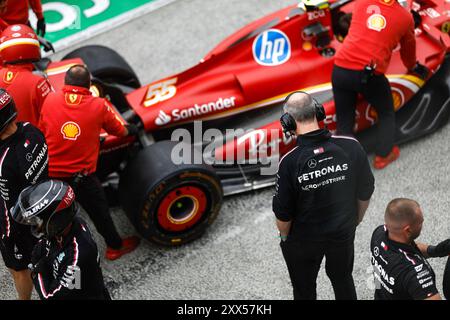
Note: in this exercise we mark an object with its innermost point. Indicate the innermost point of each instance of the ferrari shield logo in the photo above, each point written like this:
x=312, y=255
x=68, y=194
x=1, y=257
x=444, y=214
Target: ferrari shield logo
x=73, y=98
x=9, y=77
x=70, y=131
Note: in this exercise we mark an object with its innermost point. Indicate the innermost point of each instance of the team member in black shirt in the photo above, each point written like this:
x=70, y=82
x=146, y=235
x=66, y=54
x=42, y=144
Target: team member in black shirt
x=65, y=262
x=401, y=270
x=23, y=162
x=323, y=190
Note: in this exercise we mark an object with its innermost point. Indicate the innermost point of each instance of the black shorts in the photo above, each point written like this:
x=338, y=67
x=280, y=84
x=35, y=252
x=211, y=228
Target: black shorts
x=16, y=250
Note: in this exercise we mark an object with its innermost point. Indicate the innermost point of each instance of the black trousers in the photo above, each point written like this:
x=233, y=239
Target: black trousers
x=90, y=195
x=347, y=84
x=446, y=284
x=303, y=259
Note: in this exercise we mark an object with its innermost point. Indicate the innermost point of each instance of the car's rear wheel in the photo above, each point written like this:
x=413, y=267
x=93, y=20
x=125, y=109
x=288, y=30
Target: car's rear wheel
x=106, y=65
x=169, y=204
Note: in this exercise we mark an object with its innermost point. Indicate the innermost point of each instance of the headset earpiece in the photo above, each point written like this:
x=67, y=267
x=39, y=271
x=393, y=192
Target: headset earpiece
x=288, y=124
x=320, y=111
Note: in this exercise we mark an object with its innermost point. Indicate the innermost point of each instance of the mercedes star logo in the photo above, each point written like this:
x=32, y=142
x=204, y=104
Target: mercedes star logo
x=312, y=163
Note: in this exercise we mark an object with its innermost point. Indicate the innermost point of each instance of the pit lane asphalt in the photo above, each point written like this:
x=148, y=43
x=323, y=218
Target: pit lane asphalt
x=239, y=256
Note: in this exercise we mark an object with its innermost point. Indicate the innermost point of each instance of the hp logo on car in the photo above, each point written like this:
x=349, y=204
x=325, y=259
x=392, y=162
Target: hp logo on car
x=271, y=48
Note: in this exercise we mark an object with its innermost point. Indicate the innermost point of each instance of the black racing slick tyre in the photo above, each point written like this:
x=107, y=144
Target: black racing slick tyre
x=106, y=65
x=169, y=204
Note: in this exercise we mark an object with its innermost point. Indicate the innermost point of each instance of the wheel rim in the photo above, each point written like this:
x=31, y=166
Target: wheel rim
x=181, y=208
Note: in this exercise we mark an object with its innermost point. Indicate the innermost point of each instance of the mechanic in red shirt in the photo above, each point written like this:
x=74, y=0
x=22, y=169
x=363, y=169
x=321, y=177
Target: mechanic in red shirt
x=16, y=12
x=71, y=121
x=19, y=48
x=377, y=28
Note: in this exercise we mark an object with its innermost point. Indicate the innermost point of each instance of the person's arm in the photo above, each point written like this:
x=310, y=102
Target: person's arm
x=365, y=184
x=112, y=123
x=408, y=47
x=42, y=90
x=435, y=297
x=284, y=227
x=67, y=279
x=283, y=202
x=362, y=208
x=438, y=251
x=423, y=248
x=36, y=6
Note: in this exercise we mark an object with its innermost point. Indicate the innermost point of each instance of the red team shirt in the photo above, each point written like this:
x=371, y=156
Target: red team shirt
x=71, y=121
x=27, y=89
x=16, y=12
x=377, y=27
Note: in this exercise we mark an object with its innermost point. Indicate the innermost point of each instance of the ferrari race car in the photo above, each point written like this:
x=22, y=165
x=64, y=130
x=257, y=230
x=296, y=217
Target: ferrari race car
x=221, y=117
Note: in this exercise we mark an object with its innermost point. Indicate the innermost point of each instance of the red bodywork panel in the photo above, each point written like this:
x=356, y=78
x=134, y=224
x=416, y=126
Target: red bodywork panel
x=252, y=69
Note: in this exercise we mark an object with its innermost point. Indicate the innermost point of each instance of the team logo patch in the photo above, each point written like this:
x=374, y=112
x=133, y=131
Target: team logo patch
x=387, y=2
x=312, y=163
x=70, y=130
x=73, y=98
x=376, y=22
x=9, y=77
x=5, y=98
x=272, y=48
x=319, y=150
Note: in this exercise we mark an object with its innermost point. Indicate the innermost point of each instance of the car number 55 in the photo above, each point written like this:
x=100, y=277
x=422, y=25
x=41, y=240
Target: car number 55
x=160, y=92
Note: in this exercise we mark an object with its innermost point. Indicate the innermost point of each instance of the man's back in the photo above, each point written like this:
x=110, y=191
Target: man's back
x=377, y=27
x=28, y=90
x=72, y=120
x=401, y=272
x=327, y=174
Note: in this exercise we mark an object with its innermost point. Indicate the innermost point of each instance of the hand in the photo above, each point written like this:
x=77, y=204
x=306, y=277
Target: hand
x=441, y=250
x=41, y=27
x=421, y=71
x=133, y=129
x=40, y=250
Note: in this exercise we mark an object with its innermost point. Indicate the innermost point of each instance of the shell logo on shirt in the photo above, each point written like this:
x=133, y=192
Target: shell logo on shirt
x=70, y=130
x=376, y=22
x=73, y=99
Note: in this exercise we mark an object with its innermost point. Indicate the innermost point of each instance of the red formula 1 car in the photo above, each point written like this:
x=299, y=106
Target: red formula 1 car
x=240, y=85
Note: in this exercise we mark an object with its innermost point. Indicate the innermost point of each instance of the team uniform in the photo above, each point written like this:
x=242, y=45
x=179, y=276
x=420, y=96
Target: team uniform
x=16, y=11
x=401, y=271
x=72, y=121
x=70, y=270
x=319, y=183
x=377, y=28
x=23, y=162
x=28, y=90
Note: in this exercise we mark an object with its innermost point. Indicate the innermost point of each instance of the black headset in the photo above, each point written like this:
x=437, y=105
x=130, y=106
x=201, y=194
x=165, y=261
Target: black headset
x=288, y=122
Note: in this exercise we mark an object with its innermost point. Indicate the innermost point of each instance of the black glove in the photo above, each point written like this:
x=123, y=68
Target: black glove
x=41, y=27
x=441, y=250
x=40, y=250
x=417, y=19
x=421, y=71
x=132, y=129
